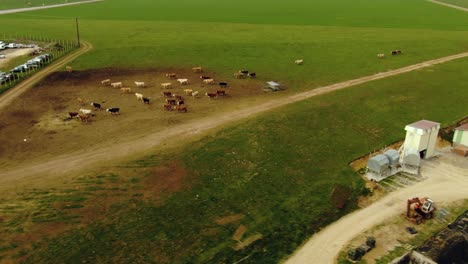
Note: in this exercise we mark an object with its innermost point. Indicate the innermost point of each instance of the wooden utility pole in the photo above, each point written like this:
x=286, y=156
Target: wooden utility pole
x=77, y=32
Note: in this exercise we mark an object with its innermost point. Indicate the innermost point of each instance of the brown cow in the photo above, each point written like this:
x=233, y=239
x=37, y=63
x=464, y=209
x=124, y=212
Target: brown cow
x=180, y=108
x=211, y=95
x=171, y=75
x=180, y=102
x=171, y=101
x=220, y=92
x=168, y=107
x=167, y=94
x=84, y=117
x=178, y=97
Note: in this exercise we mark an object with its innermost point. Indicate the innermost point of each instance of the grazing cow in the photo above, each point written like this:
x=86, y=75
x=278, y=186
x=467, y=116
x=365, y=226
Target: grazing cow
x=180, y=102
x=167, y=94
x=113, y=110
x=80, y=101
x=171, y=75
x=106, y=82
x=69, y=69
x=73, y=114
x=381, y=56
x=166, y=85
x=396, y=52
x=188, y=91
x=239, y=75
x=139, y=96
x=244, y=72
x=183, y=81
x=117, y=85
x=220, y=92
x=146, y=100
x=126, y=90
x=223, y=84
x=84, y=117
x=171, y=101
x=195, y=94
x=209, y=81
x=85, y=111
x=299, y=62
x=96, y=105
x=205, y=77
x=197, y=69
x=140, y=84
x=252, y=75
x=211, y=95
x=168, y=107
x=180, y=108
x=178, y=97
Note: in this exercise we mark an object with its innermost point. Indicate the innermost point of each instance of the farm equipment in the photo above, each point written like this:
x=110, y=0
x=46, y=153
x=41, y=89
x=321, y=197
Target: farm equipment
x=421, y=210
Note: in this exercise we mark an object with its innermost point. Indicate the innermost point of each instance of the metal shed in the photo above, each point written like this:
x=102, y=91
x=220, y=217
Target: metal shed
x=378, y=164
x=393, y=156
x=274, y=86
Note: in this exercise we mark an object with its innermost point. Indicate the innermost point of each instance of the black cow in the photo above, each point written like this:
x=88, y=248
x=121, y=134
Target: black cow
x=96, y=105
x=180, y=102
x=252, y=75
x=205, y=77
x=113, y=110
x=245, y=72
x=223, y=84
x=146, y=100
x=396, y=52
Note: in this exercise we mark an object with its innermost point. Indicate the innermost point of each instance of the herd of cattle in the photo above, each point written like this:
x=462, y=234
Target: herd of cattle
x=172, y=101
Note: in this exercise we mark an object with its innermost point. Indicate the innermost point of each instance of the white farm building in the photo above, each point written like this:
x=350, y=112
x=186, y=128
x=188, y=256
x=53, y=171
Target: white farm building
x=461, y=135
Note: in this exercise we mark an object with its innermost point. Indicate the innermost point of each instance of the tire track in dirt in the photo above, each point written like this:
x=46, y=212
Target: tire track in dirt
x=86, y=158
x=18, y=10
x=9, y=96
x=447, y=183
x=449, y=5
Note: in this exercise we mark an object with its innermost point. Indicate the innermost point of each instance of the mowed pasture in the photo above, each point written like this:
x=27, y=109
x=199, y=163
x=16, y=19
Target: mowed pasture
x=269, y=182
x=41, y=116
x=264, y=36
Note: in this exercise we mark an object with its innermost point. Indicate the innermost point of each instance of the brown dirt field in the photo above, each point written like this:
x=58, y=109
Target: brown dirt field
x=41, y=115
x=240, y=231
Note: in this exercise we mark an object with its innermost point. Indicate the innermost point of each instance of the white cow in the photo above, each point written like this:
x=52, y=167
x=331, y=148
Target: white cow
x=381, y=56
x=105, y=82
x=140, y=84
x=117, y=85
x=183, y=81
x=139, y=96
x=195, y=94
x=299, y=62
x=166, y=85
x=85, y=111
x=188, y=91
x=209, y=81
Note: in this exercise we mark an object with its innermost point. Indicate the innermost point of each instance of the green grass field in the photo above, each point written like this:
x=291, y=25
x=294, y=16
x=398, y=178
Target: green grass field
x=277, y=171
x=264, y=37
x=11, y=4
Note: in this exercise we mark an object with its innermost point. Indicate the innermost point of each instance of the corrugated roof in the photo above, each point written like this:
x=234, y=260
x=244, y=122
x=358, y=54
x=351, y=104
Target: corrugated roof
x=463, y=127
x=424, y=124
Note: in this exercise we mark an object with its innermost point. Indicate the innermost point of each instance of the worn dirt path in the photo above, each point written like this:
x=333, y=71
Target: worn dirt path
x=93, y=154
x=26, y=9
x=447, y=183
x=15, y=92
x=449, y=5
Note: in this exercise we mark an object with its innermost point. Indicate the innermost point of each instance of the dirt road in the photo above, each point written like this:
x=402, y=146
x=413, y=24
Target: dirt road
x=9, y=96
x=84, y=158
x=18, y=10
x=447, y=182
x=449, y=5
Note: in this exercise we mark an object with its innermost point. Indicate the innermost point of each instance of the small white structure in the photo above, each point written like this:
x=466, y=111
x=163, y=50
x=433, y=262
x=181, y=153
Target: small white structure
x=421, y=136
x=274, y=86
x=461, y=136
x=383, y=165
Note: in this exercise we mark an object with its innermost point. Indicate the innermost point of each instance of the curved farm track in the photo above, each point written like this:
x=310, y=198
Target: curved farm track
x=10, y=95
x=449, y=5
x=447, y=182
x=86, y=158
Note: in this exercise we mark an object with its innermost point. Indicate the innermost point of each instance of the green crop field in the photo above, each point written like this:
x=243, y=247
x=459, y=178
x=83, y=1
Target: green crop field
x=462, y=3
x=264, y=37
x=268, y=182
x=11, y=4
x=277, y=172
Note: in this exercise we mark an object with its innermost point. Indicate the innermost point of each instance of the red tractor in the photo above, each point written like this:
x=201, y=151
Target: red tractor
x=421, y=210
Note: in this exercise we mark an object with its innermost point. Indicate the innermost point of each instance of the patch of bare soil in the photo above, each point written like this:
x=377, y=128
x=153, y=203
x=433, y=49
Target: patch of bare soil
x=164, y=180
x=240, y=231
x=11, y=54
x=229, y=219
